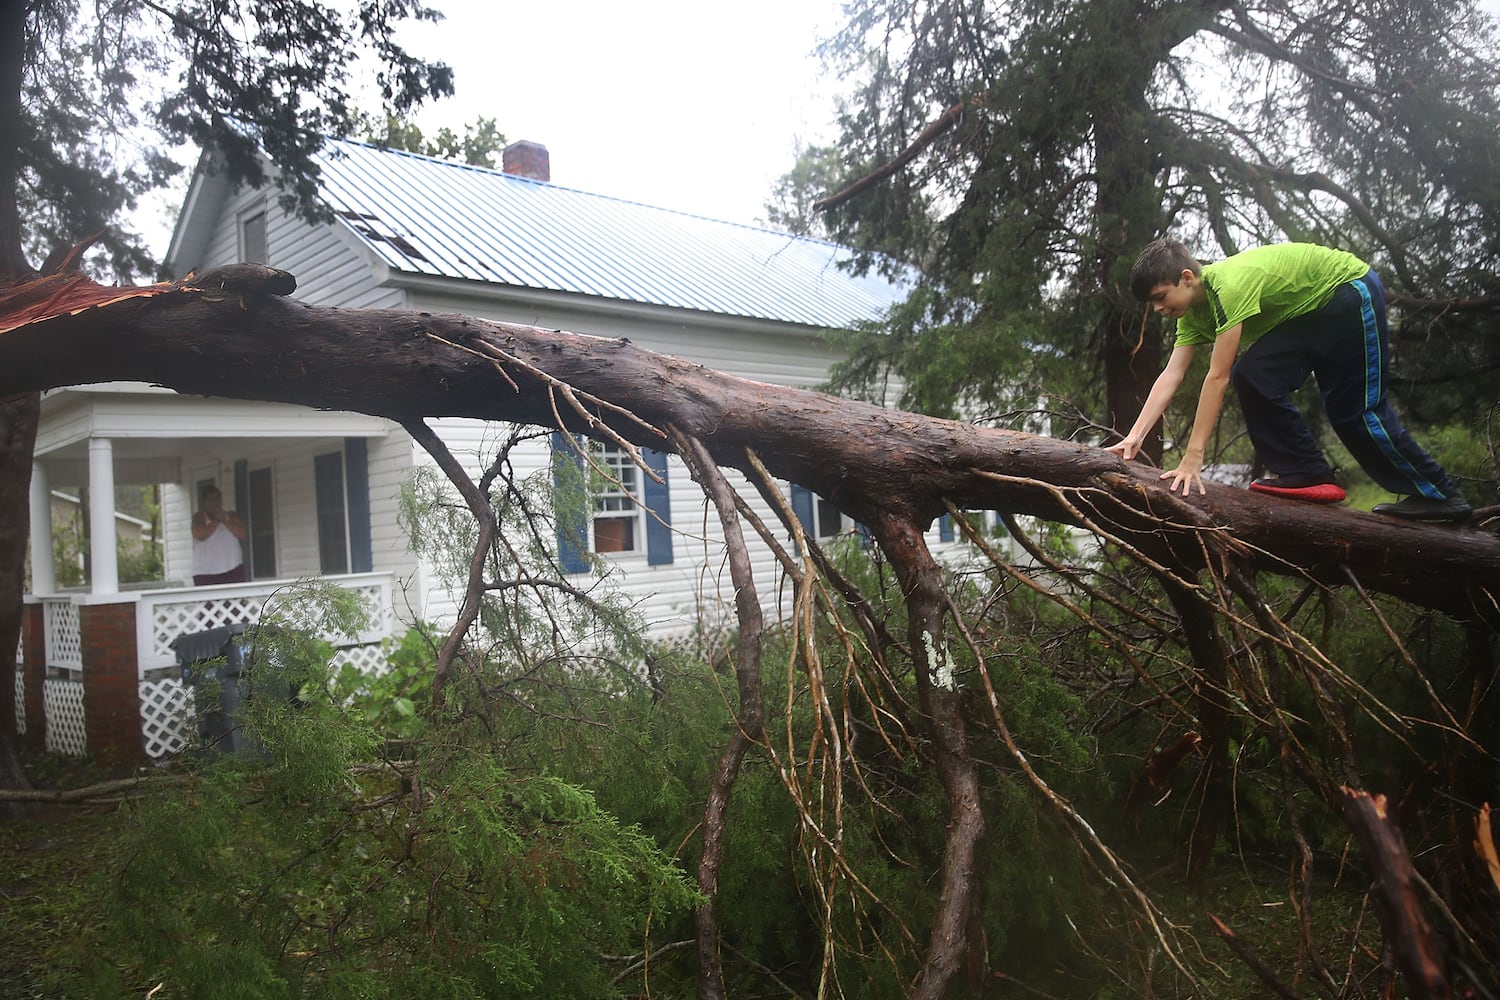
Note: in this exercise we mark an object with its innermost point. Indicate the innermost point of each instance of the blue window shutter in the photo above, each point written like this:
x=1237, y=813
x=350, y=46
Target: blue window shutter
x=357, y=488
x=945, y=528
x=658, y=500
x=802, y=505
x=569, y=474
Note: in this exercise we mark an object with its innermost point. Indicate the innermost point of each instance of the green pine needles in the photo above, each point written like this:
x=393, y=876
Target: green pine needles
x=316, y=864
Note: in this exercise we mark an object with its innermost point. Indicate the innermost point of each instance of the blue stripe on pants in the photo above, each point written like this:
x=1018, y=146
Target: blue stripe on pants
x=1375, y=407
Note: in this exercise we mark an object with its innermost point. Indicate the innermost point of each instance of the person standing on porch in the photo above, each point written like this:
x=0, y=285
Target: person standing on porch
x=217, y=533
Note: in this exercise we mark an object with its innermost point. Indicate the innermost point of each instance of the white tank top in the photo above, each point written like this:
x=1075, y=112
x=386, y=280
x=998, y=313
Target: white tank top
x=218, y=553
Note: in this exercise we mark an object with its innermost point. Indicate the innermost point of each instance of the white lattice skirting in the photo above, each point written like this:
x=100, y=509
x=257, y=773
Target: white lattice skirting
x=172, y=618
x=369, y=658
x=66, y=732
x=63, y=623
x=166, y=722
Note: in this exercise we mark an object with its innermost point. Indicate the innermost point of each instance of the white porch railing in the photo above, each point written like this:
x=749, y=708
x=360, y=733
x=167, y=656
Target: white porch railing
x=161, y=616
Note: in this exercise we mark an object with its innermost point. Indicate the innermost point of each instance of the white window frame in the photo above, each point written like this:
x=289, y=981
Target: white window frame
x=246, y=218
x=615, y=496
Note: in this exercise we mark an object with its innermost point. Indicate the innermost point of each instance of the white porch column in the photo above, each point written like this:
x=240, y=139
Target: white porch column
x=102, y=559
x=43, y=570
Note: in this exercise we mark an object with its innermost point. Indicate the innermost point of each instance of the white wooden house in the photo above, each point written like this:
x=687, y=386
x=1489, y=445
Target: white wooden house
x=319, y=490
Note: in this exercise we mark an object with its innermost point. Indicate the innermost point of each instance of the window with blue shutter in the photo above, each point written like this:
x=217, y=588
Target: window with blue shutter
x=357, y=486
x=570, y=479
x=613, y=507
x=331, y=512
x=804, y=505
x=658, y=500
x=819, y=518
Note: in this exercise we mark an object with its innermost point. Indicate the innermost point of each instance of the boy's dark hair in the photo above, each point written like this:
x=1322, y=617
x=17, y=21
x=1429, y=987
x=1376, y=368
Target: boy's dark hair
x=1161, y=263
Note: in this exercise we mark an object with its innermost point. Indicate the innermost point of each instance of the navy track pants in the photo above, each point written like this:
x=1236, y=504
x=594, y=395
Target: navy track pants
x=1344, y=345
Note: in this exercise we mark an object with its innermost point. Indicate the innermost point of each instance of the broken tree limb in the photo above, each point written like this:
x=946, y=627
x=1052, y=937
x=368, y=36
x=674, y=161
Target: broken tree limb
x=749, y=718
x=929, y=134
x=942, y=703
x=871, y=461
x=1395, y=892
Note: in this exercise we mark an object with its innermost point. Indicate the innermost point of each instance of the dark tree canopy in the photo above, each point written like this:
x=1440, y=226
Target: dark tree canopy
x=97, y=98
x=1041, y=145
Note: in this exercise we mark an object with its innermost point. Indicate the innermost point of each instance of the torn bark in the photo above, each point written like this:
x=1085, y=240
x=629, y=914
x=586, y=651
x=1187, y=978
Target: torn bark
x=1395, y=892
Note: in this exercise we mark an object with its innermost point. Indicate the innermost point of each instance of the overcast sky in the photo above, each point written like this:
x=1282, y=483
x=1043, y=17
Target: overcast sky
x=684, y=104
x=678, y=103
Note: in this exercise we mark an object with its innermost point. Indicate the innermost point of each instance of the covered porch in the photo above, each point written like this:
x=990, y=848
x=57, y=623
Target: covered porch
x=96, y=673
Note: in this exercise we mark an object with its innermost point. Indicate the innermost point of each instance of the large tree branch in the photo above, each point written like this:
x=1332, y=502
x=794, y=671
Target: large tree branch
x=749, y=719
x=942, y=703
x=873, y=462
x=929, y=134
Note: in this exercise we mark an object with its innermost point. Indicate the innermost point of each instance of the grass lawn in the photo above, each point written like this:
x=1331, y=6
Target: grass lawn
x=53, y=865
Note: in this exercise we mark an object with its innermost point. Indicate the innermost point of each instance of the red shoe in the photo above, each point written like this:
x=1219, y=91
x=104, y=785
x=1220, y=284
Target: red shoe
x=1310, y=488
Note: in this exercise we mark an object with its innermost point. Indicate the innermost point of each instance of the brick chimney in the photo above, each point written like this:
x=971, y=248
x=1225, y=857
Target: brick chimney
x=525, y=158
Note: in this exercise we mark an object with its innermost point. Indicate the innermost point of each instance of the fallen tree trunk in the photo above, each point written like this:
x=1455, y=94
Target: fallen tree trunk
x=229, y=333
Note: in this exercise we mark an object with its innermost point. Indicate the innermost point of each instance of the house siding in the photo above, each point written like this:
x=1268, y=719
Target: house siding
x=335, y=267
x=330, y=268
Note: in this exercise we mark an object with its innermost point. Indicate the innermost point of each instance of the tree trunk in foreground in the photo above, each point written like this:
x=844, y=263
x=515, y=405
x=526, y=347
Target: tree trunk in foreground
x=18, y=420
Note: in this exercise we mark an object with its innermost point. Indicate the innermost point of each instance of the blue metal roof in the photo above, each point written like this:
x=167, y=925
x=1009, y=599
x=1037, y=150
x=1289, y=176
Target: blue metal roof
x=435, y=217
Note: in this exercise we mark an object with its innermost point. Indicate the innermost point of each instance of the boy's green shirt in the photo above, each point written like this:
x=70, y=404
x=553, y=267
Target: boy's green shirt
x=1264, y=287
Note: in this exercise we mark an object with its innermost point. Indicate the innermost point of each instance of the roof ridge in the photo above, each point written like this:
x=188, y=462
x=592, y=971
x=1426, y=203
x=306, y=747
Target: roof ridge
x=481, y=224
x=497, y=172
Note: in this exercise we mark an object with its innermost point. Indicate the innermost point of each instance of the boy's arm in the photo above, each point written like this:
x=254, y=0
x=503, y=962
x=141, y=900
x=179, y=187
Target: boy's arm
x=1210, y=402
x=1156, y=402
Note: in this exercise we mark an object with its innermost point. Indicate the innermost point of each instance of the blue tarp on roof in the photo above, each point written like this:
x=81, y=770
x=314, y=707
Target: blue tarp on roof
x=450, y=220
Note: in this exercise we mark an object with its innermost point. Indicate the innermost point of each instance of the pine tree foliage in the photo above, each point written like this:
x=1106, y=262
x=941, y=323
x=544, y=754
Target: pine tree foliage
x=315, y=865
x=108, y=92
x=1078, y=131
x=481, y=140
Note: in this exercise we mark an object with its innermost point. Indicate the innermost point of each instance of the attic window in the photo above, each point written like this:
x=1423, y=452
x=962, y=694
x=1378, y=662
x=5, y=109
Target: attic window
x=253, y=238
x=369, y=227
